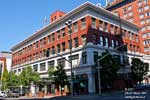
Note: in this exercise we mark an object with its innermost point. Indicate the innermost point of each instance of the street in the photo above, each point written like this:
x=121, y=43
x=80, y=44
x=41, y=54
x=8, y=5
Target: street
x=106, y=96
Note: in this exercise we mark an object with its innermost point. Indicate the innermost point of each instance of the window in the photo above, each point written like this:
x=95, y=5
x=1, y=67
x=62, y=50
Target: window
x=124, y=10
x=94, y=38
x=141, y=16
x=63, y=32
x=148, y=27
x=143, y=29
x=142, y=22
x=148, y=34
x=61, y=62
x=83, y=23
x=74, y=59
x=70, y=44
x=112, y=43
x=141, y=10
x=146, y=7
x=51, y=63
x=35, y=67
x=129, y=8
x=48, y=52
x=84, y=57
x=93, y=23
x=53, y=37
x=101, y=41
x=147, y=14
x=136, y=38
x=144, y=35
x=125, y=15
x=58, y=48
x=131, y=13
x=53, y=50
x=42, y=67
x=49, y=39
x=63, y=46
x=76, y=42
x=131, y=47
x=106, y=42
x=105, y=27
x=75, y=26
x=41, y=44
x=140, y=3
x=148, y=20
x=112, y=29
x=145, y=1
x=58, y=34
x=117, y=43
x=83, y=39
x=100, y=25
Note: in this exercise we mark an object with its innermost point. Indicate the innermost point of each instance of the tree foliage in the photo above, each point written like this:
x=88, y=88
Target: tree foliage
x=13, y=79
x=58, y=76
x=139, y=69
x=4, y=79
x=27, y=76
x=109, y=67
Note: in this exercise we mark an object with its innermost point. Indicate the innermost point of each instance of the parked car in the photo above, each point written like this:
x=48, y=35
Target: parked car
x=142, y=87
x=3, y=94
x=13, y=94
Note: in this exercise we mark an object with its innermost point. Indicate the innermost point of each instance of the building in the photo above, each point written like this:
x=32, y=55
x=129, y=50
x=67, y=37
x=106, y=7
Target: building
x=5, y=61
x=93, y=31
x=137, y=12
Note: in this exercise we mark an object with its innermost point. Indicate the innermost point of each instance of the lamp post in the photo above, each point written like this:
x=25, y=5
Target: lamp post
x=99, y=67
x=69, y=23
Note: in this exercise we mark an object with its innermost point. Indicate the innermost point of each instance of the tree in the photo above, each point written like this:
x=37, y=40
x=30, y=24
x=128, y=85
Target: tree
x=4, y=79
x=138, y=69
x=27, y=76
x=13, y=79
x=58, y=76
x=109, y=68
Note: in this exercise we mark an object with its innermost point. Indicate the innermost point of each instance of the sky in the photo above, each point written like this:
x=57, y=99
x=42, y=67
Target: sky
x=21, y=18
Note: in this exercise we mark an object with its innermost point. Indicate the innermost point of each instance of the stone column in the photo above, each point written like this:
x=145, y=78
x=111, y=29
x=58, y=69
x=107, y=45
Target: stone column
x=91, y=83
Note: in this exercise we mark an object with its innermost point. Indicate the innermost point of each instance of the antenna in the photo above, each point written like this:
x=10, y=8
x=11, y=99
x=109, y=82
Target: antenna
x=45, y=21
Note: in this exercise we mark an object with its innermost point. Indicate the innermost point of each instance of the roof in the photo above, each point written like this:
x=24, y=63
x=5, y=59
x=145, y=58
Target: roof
x=68, y=15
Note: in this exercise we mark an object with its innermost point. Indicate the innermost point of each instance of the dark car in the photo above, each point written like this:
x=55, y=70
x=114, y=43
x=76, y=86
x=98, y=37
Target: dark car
x=13, y=94
x=142, y=87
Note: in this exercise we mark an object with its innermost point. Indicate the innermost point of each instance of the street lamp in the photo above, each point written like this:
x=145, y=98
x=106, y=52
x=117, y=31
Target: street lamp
x=99, y=67
x=69, y=23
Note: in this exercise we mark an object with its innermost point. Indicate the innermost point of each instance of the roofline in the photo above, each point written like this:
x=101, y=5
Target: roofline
x=117, y=3
x=69, y=14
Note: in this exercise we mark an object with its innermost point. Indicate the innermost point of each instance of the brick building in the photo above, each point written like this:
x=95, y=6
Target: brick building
x=94, y=30
x=137, y=12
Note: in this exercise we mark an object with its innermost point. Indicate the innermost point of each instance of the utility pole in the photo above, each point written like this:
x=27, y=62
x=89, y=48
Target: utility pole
x=69, y=24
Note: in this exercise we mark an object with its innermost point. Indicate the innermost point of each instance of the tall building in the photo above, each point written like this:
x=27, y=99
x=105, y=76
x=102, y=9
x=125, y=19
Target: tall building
x=137, y=12
x=5, y=61
x=93, y=31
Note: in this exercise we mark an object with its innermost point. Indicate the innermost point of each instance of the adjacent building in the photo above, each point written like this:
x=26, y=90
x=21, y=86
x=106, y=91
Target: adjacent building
x=93, y=31
x=5, y=61
x=137, y=12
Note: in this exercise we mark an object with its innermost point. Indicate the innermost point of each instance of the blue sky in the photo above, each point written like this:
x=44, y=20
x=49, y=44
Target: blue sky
x=21, y=18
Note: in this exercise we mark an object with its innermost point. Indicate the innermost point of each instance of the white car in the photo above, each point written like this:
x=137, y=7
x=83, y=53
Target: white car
x=3, y=94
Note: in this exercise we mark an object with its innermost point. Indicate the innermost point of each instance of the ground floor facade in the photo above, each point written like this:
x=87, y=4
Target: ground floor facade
x=85, y=74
